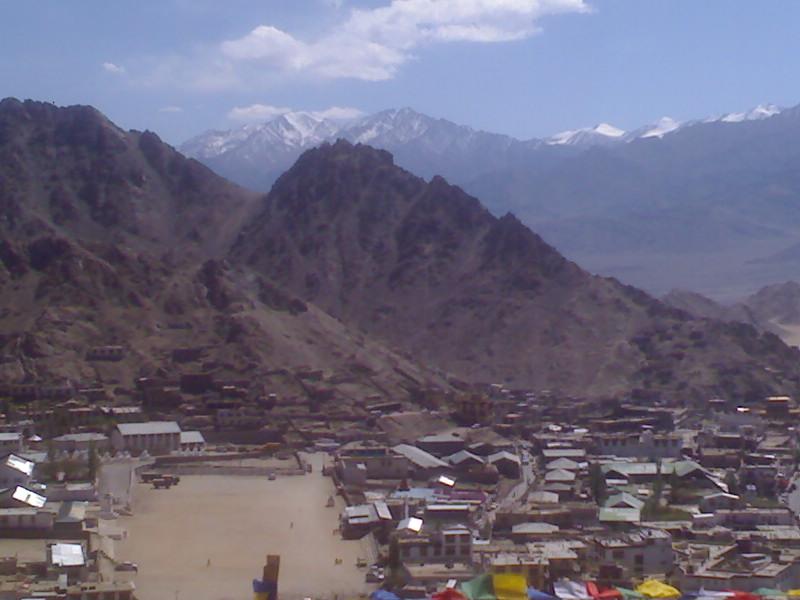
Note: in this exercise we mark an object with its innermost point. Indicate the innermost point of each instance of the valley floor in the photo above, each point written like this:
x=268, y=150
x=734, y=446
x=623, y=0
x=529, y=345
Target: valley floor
x=208, y=537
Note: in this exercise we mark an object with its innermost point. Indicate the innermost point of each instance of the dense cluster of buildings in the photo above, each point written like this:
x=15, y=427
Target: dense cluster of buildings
x=498, y=482
x=609, y=493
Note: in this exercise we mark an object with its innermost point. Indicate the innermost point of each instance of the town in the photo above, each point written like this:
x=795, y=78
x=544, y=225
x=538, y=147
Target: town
x=484, y=492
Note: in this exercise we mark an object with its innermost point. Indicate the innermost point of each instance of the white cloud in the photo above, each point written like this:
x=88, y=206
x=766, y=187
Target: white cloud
x=257, y=112
x=170, y=109
x=338, y=113
x=264, y=112
x=372, y=44
x=110, y=67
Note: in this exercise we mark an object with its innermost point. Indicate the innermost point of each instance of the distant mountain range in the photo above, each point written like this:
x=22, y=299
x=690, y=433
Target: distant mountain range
x=774, y=308
x=711, y=204
x=381, y=281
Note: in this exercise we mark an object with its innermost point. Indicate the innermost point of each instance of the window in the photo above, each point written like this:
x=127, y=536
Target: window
x=618, y=554
x=639, y=560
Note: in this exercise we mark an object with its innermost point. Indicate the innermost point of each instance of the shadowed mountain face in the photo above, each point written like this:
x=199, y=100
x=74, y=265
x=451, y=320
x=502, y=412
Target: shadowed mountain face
x=113, y=237
x=351, y=265
x=70, y=170
x=426, y=268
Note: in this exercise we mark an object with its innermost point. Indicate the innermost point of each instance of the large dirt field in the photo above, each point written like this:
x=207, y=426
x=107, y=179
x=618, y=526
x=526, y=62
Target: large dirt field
x=207, y=538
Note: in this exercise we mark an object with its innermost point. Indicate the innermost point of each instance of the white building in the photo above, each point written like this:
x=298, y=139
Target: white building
x=15, y=470
x=10, y=442
x=157, y=437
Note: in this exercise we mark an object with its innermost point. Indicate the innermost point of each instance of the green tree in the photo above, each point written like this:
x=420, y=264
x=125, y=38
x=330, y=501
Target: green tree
x=597, y=483
x=674, y=488
x=93, y=462
x=732, y=482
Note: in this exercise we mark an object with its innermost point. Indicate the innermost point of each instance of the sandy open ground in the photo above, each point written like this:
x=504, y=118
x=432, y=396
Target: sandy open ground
x=234, y=522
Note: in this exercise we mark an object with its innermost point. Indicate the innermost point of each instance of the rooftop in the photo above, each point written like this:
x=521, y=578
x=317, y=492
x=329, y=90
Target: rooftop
x=149, y=428
x=19, y=464
x=28, y=497
x=419, y=457
x=67, y=555
x=192, y=437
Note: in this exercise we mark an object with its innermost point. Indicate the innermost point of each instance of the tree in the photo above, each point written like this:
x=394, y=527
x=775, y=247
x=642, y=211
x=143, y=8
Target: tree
x=597, y=483
x=732, y=482
x=674, y=488
x=92, y=462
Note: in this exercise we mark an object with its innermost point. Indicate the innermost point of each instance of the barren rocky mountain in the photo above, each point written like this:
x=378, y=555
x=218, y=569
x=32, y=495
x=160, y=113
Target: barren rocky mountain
x=426, y=268
x=774, y=308
x=708, y=204
x=112, y=237
x=352, y=267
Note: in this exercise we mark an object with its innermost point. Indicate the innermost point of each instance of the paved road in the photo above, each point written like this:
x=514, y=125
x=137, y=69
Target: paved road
x=793, y=499
x=519, y=492
x=117, y=478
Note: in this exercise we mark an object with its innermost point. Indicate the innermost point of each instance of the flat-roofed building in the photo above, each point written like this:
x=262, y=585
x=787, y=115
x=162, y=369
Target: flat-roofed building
x=10, y=442
x=15, y=470
x=26, y=518
x=81, y=442
x=620, y=558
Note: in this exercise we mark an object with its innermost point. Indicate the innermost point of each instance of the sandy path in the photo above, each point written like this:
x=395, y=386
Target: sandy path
x=235, y=522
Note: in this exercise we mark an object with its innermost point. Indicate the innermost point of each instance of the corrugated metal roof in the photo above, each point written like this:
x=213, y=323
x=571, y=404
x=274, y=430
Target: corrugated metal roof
x=680, y=468
x=629, y=500
x=12, y=436
x=619, y=515
x=559, y=475
x=565, y=452
x=534, y=528
x=192, y=437
x=563, y=463
x=67, y=555
x=419, y=457
x=463, y=456
x=20, y=464
x=383, y=510
x=504, y=455
x=81, y=437
x=149, y=428
x=28, y=497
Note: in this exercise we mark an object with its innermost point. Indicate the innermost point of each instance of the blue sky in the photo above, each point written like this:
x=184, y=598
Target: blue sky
x=523, y=67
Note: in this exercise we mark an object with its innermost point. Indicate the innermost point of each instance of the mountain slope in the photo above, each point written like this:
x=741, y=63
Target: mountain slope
x=774, y=308
x=426, y=268
x=112, y=237
x=71, y=171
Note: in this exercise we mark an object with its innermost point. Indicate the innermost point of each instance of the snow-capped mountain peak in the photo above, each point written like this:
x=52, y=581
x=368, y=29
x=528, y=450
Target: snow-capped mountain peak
x=401, y=124
x=299, y=129
x=599, y=134
x=762, y=111
x=660, y=128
